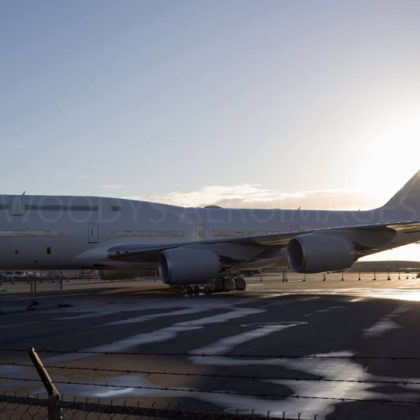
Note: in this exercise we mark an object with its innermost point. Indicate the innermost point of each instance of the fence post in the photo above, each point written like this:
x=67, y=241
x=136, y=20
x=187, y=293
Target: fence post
x=54, y=413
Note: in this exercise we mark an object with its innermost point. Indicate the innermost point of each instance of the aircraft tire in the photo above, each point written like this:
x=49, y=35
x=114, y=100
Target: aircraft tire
x=228, y=285
x=240, y=283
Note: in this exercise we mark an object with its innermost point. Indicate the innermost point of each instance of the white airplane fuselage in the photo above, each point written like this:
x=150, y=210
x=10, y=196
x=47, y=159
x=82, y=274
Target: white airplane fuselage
x=68, y=232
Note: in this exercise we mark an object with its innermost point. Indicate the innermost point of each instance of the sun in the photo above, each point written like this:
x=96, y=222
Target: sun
x=390, y=155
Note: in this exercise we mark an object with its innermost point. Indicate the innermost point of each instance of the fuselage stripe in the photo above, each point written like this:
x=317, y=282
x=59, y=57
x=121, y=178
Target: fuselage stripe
x=53, y=207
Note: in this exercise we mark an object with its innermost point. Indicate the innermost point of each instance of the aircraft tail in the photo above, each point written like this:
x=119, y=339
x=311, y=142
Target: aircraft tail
x=407, y=199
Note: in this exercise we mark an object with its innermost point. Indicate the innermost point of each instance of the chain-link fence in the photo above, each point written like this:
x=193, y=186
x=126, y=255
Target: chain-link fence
x=15, y=407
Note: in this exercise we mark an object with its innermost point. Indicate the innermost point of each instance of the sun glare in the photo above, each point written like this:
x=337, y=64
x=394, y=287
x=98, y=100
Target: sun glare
x=391, y=152
x=404, y=253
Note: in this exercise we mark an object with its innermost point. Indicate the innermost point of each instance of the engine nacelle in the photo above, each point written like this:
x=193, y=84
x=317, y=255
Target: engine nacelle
x=314, y=253
x=188, y=265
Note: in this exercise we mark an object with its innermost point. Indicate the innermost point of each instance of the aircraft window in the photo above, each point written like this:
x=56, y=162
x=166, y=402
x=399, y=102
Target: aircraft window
x=16, y=251
x=4, y=206
x=48, y=250
x=116, y=208
x=53, y=207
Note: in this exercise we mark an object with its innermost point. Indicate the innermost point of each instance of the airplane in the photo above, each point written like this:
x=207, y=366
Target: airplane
x=193, y=247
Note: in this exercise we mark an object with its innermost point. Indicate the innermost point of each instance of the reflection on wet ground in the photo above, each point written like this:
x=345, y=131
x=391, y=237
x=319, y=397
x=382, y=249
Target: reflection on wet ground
x=321, y=348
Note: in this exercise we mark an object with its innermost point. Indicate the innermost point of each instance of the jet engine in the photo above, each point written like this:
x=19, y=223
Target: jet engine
x=188, y=265
x=314, y=253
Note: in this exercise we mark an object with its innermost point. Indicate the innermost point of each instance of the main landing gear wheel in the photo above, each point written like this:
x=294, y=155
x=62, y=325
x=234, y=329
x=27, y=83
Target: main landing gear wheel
x=191, y=291
x=240, y=283
x=220, y=285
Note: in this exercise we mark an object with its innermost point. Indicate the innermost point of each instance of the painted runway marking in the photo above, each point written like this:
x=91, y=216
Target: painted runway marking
x=171, y=332
x=225, y=345
x=165, y=334
x=144, y=318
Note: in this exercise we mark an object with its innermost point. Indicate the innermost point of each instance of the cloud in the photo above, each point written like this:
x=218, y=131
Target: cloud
x=82, y=176
x=112, y=186
x=255, y=196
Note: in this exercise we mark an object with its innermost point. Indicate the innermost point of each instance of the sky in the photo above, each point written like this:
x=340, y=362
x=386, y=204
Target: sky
x=265, y=103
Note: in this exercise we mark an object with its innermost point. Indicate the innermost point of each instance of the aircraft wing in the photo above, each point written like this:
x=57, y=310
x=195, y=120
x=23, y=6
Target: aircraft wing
x=144, y=252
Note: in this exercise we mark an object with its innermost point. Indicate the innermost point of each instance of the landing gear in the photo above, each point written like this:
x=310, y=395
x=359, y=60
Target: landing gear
x=221, y=284
x=240, y=283
x=207, y=291
x=191, y=291
x=227, y=284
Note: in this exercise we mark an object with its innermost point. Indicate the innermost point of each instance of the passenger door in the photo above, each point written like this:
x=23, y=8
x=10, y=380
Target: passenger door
x=200, y=231
x=16, y=206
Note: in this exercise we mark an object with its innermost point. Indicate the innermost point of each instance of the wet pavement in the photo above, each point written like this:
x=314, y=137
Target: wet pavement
x=333, y=349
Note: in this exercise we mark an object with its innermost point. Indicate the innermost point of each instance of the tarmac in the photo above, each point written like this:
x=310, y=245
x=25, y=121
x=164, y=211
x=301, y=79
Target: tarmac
x=330, y=349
